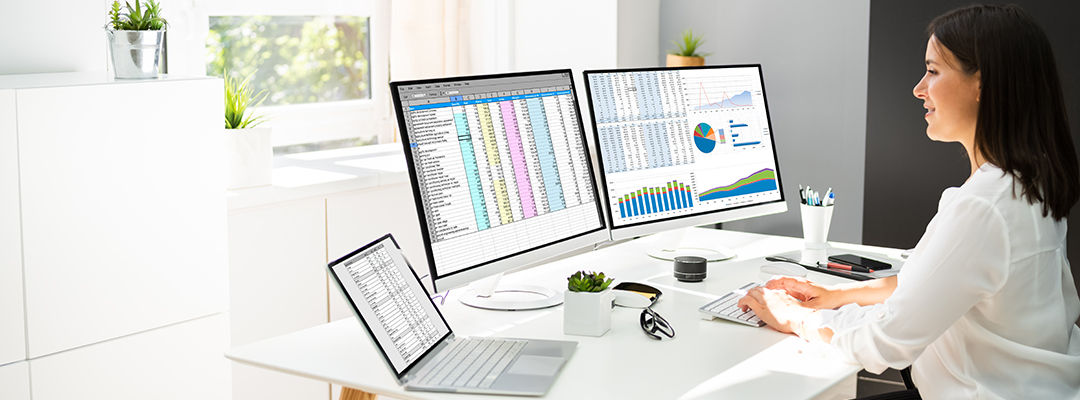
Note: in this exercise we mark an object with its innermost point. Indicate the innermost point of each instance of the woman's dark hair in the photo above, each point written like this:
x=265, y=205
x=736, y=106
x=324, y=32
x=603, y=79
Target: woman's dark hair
x=1022, y=127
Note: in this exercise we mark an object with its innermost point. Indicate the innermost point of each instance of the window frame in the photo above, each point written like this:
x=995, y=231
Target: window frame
x=318, y=122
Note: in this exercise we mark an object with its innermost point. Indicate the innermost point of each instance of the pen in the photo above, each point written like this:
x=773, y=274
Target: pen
x=853, y=268
x=832, y=198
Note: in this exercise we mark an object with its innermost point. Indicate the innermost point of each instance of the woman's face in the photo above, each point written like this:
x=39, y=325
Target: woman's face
x=950, y=96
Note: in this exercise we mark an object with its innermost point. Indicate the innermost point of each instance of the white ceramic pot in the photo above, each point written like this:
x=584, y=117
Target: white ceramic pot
x=587, y=313
x=250, y=157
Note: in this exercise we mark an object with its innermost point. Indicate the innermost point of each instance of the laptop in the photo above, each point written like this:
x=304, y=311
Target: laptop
x=418, y=345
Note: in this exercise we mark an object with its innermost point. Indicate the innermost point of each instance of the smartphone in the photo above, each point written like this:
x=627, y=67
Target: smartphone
x=851, y=259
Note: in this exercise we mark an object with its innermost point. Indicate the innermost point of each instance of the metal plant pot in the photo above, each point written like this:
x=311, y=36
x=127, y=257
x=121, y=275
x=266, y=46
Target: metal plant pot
x=135, y=54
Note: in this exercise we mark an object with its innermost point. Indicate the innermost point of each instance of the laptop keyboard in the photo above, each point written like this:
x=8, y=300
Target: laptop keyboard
x=470, y=363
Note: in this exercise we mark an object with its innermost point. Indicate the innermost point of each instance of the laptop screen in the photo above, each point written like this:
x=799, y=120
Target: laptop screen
x=392, y=304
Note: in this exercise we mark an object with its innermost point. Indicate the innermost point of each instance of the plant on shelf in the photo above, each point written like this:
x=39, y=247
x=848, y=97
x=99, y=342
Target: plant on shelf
x=249, y=149
x=136, y=35
x=582, y=281
x=686, y=52
x=238, y=98
x=136, y=18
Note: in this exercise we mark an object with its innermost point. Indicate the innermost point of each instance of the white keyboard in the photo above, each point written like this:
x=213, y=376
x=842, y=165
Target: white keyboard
x=470, y=363
x=727, y=307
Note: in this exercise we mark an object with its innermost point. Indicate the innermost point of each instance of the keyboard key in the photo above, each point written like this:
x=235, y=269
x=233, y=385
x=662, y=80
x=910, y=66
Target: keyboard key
x=453, y=365
x=489, y=363
x=489, y=348
x=501, y=366
x=727, y=307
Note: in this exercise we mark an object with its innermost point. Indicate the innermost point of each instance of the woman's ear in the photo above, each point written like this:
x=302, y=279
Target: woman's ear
x=978, y=85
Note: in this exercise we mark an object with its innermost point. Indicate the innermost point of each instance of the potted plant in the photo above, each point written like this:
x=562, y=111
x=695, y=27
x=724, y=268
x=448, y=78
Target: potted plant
x=587, y=304
x=247, y=147
x=686, y=53
x=135, y=35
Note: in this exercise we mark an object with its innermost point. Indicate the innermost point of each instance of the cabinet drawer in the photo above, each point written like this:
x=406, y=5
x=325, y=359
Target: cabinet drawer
x=182, y=361
x=15, y=381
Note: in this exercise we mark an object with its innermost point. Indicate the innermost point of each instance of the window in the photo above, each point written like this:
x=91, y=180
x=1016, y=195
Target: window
x=296, y=59
x=323, y=64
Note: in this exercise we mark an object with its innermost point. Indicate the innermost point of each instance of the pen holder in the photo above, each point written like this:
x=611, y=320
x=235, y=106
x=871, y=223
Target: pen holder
x=815, y=225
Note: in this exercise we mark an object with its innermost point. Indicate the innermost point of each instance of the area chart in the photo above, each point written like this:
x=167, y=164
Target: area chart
x=741, y=99
x=761, y=181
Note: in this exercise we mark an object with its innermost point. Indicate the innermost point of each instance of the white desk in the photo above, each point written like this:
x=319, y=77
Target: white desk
x=707, y=358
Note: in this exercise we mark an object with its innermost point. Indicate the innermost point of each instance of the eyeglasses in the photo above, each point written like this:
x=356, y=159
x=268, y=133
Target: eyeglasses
x=651, y=323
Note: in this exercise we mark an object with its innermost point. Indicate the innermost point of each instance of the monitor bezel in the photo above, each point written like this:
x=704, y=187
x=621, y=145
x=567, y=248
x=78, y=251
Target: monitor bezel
x=367, y=327
x=705, y=217
x=517, y=260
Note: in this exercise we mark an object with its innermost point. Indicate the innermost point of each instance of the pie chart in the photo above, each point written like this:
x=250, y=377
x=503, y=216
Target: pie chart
x=704, y=138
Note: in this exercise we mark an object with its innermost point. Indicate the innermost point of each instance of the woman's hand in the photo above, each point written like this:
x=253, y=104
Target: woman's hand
x=776, y=308
x=810, y=294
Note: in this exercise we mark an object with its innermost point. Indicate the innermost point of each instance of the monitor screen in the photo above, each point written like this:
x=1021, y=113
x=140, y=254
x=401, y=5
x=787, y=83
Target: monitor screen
x=682, y=142
x=499, y=166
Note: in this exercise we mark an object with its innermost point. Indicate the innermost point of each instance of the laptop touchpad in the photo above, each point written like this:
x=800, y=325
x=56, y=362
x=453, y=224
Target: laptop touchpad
x=536, y=365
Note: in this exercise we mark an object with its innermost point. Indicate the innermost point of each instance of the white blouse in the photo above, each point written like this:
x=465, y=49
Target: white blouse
x=985, y=307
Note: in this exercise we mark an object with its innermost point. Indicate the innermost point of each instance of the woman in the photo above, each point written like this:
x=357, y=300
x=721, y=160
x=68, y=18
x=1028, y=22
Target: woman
x=985, y=307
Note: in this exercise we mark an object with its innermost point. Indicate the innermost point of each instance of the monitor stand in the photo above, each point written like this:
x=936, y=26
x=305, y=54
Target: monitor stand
x=716, y=253
x=674, y=243
x=487, y=294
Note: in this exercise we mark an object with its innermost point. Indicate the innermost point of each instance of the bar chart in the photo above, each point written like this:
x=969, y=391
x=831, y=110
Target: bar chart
x=741, y=134
x=673, y=195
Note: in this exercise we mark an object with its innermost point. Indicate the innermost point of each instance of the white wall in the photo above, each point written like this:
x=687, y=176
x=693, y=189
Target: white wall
x=814, y=58
x=638, y=33
x=551, y=34
x=52, y=36
x=69, y=36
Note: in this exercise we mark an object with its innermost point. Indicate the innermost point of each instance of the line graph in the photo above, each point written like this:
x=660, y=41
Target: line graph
x=741, y=99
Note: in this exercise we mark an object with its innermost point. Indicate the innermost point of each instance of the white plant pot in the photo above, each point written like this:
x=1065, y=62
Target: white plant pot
x=587, y=313
x=250, y=157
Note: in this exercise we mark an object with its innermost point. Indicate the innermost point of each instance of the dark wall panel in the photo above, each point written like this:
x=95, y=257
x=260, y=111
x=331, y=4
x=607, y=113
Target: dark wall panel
x=905, y=170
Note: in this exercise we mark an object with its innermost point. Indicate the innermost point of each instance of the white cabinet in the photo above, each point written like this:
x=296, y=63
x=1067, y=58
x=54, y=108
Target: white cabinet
x=358, y=217
x=123, y=208
x=277, y=285
x=15, y=381
x=182, y=361
x=113, y=273
x=12, y=330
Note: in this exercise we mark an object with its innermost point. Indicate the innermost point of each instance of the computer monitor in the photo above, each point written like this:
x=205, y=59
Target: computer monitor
x=502, y=179
x=681, y=147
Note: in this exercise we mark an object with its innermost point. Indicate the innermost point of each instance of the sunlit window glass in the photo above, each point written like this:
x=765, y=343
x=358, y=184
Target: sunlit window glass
x=296, y=59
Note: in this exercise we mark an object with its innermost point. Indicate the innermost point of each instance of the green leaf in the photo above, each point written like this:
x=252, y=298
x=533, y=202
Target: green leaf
x=582, y=281
x=689, y=45
x=137, y=18
x=238, y=98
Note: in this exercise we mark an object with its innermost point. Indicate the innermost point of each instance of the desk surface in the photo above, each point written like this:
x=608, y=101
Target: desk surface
x=707, y=358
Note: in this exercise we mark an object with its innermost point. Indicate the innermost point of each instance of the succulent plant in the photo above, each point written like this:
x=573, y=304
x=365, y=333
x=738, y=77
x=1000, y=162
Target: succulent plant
x=137, y=18
x=582, y=281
